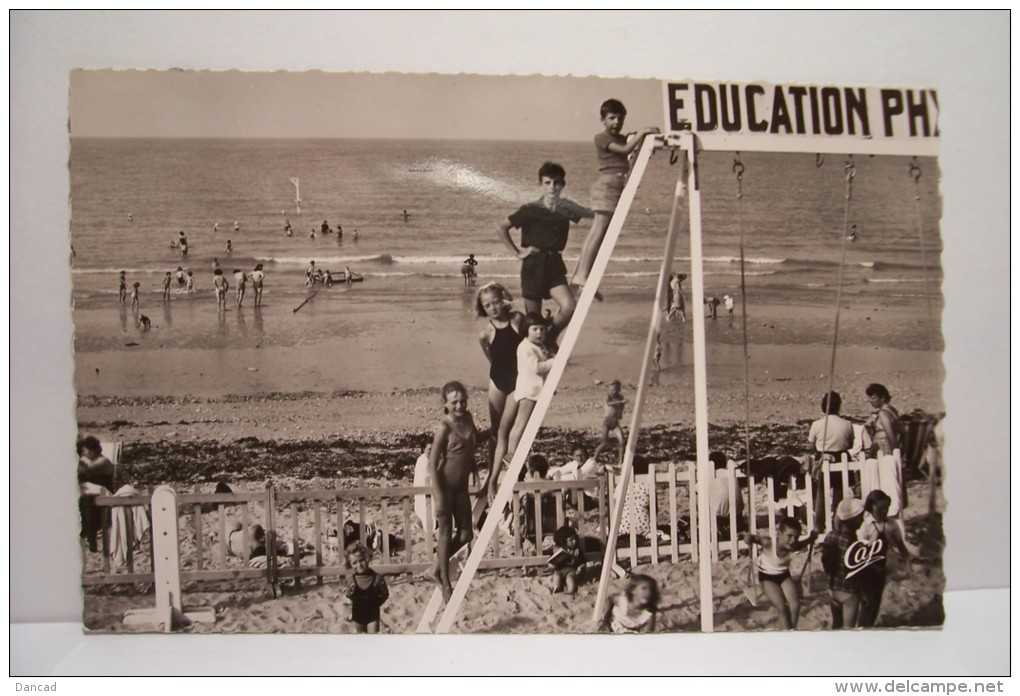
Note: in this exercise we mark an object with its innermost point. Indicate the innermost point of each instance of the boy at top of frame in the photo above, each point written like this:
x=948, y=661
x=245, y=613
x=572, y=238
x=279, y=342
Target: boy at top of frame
x=612, y=150
x=544, y=226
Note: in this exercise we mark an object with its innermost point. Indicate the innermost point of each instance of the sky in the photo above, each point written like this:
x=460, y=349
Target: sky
x=200, y=104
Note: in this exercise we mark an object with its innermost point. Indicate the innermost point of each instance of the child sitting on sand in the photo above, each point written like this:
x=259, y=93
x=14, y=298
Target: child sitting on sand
x=774, y=568
x=567, y=561
x=611, y=420
x=366, y=591
x=451, y=462
x=635, y=609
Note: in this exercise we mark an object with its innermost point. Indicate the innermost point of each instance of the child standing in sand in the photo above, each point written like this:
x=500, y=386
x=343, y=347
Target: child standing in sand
x=220, y=285
x=845, y=602
x=499, y=340
x=877, y=534
x=774, y=568
x=533, y=364
x=451, y=462
x=544, y=226
x=635, y=609
x=611, y=420
x=366, y=591
x=611, y=150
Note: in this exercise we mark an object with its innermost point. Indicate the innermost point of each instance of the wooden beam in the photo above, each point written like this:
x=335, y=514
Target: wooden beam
x=616, y=511
x=704, y=472
x=552, y=380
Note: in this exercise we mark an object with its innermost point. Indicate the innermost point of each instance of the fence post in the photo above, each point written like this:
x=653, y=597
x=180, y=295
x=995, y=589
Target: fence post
x=166, y=566
x=272, y=567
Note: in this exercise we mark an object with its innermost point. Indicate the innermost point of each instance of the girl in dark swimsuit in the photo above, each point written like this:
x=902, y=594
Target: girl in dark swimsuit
x=499, y=340
x=451, y=462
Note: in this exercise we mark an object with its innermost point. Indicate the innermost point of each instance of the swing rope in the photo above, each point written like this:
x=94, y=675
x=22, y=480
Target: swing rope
x=915, y=174
x=751, y=590
x=849, y=171
x=738, y=170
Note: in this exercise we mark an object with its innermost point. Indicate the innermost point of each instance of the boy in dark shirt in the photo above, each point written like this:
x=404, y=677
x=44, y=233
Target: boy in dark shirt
x=544, y=226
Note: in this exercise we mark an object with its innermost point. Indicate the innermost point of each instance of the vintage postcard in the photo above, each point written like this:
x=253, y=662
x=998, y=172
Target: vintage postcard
x=423, y=353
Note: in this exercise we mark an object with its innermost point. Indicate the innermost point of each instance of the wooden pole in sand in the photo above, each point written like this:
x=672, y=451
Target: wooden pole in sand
x=661, y=292
x=552, y=380
x=704, y=471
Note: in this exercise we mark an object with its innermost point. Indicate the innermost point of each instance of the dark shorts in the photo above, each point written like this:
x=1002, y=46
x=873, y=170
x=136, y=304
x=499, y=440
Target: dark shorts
x=364, y=613
x=778, y=579
x=540, y=273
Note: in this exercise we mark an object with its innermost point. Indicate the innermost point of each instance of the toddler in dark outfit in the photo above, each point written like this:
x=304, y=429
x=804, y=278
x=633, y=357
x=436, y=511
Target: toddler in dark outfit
x=366, y=591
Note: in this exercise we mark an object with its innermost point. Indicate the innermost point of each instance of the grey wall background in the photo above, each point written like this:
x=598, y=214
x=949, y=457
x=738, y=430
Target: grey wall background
x=964, y=55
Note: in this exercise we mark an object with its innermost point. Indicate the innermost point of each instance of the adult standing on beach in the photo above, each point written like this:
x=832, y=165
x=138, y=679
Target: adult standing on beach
x=95, y=472
x=830, y=436
x=886, y=431
x=884, y=426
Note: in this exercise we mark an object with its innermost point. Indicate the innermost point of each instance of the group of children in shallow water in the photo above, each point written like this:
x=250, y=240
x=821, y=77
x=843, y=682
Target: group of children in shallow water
x=186, y=284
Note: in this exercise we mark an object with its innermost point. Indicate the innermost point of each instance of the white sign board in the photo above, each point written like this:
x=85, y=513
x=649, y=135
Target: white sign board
x=766, y=117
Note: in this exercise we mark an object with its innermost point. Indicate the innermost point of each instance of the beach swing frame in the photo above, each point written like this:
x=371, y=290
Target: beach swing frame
x=686, y=144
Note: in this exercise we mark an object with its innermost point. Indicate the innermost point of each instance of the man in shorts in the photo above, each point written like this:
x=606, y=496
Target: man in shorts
x=544, y=226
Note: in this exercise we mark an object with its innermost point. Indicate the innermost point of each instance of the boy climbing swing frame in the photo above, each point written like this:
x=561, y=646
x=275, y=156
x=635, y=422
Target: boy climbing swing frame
x=779, y=118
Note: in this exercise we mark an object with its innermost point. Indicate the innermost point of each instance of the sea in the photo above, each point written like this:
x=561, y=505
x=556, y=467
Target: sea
x=132, y=197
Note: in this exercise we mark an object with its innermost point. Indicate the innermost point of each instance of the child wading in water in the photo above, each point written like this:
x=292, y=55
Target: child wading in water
x=134, y=294
x=122, y=287
x=774, y=568
x=634, y=610
x=366, y=590
x=241, y=281
x=533, y=364
x=257, y=278
x=220, y=285
x=611, y=420
x=611, y=150
x=451, y=462
x=499, y=340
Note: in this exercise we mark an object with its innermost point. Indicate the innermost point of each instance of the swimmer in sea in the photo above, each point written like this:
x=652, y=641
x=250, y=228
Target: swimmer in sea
x=406, y=215
x=230, y=247
x=131, y=218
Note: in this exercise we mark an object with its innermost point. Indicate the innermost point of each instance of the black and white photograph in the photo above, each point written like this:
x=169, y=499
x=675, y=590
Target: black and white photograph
x=454, y=361
x=399, y=343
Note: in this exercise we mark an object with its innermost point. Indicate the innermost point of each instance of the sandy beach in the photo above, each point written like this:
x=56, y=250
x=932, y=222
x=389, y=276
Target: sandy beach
x=336, y=387
x=250, y=426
